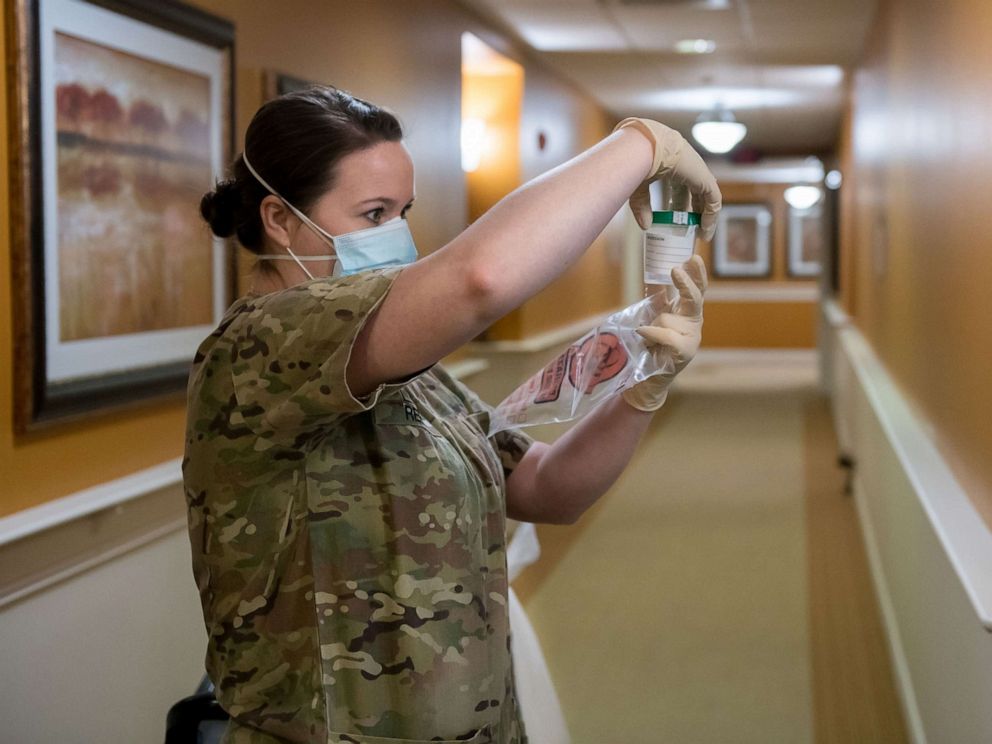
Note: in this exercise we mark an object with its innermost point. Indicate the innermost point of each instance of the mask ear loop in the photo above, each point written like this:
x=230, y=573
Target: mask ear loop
x=294, y=210
x=299, y=263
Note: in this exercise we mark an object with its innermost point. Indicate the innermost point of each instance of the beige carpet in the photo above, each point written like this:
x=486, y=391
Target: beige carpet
x=676, y=610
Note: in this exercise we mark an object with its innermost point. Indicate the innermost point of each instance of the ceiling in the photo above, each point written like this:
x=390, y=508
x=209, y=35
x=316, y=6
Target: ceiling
x=779, y=65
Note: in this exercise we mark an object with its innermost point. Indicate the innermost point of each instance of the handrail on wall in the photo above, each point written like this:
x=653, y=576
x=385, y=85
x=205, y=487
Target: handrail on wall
x=961, y=530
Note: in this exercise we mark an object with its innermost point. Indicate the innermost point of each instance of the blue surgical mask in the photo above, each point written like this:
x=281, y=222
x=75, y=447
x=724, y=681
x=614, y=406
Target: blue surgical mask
x=388, y=244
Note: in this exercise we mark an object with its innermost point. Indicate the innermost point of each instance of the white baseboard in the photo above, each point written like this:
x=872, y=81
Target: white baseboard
x=721, y=371
x=730, y=355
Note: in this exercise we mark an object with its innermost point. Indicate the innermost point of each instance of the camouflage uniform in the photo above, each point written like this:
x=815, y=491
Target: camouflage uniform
x=350, y=553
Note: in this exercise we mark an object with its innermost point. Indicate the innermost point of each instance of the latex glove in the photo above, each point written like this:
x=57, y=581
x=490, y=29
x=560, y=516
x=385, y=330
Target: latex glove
x=677, y=335
x=674, y=157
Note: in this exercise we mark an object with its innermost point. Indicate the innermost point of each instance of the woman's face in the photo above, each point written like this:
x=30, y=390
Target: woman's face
x=371, y=186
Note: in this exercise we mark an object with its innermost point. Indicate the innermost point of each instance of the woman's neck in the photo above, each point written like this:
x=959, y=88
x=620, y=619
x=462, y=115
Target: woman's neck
x=265, y=281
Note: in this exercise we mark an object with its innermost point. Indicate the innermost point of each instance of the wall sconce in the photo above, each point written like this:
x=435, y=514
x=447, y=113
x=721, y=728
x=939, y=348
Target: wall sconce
x=803, y=197
x=473, y=143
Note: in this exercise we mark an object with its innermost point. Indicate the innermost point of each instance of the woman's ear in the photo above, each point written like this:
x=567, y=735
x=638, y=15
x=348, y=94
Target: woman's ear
x=278, y=220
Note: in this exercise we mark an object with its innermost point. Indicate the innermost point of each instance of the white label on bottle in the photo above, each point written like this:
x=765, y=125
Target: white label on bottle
x=664, y=249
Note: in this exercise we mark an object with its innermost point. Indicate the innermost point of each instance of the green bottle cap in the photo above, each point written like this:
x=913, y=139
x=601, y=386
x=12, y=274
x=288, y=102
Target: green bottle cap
x=675, y=218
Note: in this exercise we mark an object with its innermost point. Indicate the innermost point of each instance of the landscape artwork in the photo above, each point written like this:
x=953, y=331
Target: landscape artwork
x=742, y=244
x=742, y=241
x=133, y=158
x=806, y=242
x=121, y=119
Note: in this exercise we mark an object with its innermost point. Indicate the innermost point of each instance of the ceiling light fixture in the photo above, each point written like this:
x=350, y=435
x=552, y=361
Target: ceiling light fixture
x=718, y=131
x=695, y=46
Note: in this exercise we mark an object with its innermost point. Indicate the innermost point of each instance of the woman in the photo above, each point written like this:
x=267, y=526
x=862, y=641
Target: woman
x=347, y=512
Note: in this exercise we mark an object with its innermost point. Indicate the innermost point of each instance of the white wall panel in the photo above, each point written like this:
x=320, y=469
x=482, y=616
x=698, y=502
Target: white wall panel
x=941, y=651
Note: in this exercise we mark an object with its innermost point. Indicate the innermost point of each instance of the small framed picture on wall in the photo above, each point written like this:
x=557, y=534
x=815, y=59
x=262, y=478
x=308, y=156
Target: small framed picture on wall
x=277, y=84
x=806, y=242
x=742, y=243
x=120, y=120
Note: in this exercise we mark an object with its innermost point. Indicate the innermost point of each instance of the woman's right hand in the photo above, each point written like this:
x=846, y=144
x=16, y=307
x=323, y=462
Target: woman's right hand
x=673, y=156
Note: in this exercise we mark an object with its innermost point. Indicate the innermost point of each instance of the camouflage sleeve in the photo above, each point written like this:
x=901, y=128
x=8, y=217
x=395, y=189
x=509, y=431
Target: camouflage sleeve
x=511, y=445
x=290, y=351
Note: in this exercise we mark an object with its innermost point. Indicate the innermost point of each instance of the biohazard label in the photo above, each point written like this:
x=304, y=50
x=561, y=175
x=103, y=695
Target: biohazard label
x=599, y=358
x=602, y=354
x=553, y=375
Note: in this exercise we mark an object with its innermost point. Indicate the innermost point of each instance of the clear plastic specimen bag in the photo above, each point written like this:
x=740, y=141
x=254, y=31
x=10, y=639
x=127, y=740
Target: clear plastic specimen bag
x=600, y=364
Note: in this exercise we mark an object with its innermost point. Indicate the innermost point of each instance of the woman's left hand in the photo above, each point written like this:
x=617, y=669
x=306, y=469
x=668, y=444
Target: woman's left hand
x=676, y=334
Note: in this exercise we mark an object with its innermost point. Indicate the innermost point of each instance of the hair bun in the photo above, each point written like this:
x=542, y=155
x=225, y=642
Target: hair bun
x=220, y=208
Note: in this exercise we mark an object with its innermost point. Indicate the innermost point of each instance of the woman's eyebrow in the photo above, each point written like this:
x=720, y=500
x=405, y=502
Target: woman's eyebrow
x=385, y=200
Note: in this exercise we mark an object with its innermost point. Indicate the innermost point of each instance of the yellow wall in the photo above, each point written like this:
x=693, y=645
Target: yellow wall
x=495, y=94
x=846, y=210
x=497, y=98
x=571, y=122
x=391, y=52
x=760, y=324
x=918, y=224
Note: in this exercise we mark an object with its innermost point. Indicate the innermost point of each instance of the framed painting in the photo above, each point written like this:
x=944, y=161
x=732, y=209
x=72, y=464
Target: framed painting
x=278, y=84
x=121, y=118
x=806, y=242
x=742, y=243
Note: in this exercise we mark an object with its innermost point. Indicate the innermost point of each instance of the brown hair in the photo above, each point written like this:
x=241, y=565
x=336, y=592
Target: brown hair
x=294, y=142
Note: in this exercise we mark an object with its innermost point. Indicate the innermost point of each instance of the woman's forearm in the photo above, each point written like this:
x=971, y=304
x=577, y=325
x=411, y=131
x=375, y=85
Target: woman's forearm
x=564, y=479
x=537, y=232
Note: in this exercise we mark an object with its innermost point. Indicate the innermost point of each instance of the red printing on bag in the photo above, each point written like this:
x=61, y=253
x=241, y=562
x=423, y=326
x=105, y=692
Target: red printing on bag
x=607, y=355
x=553, y=375
x=604, y=351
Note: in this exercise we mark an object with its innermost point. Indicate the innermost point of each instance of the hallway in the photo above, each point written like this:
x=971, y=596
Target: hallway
x=703, y=620
x=736, y=585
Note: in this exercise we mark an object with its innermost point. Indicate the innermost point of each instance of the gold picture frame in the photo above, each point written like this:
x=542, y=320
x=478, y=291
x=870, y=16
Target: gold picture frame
x=120, y=117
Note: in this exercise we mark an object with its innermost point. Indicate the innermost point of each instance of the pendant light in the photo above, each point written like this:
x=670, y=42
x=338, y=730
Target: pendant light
x=718, y=131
